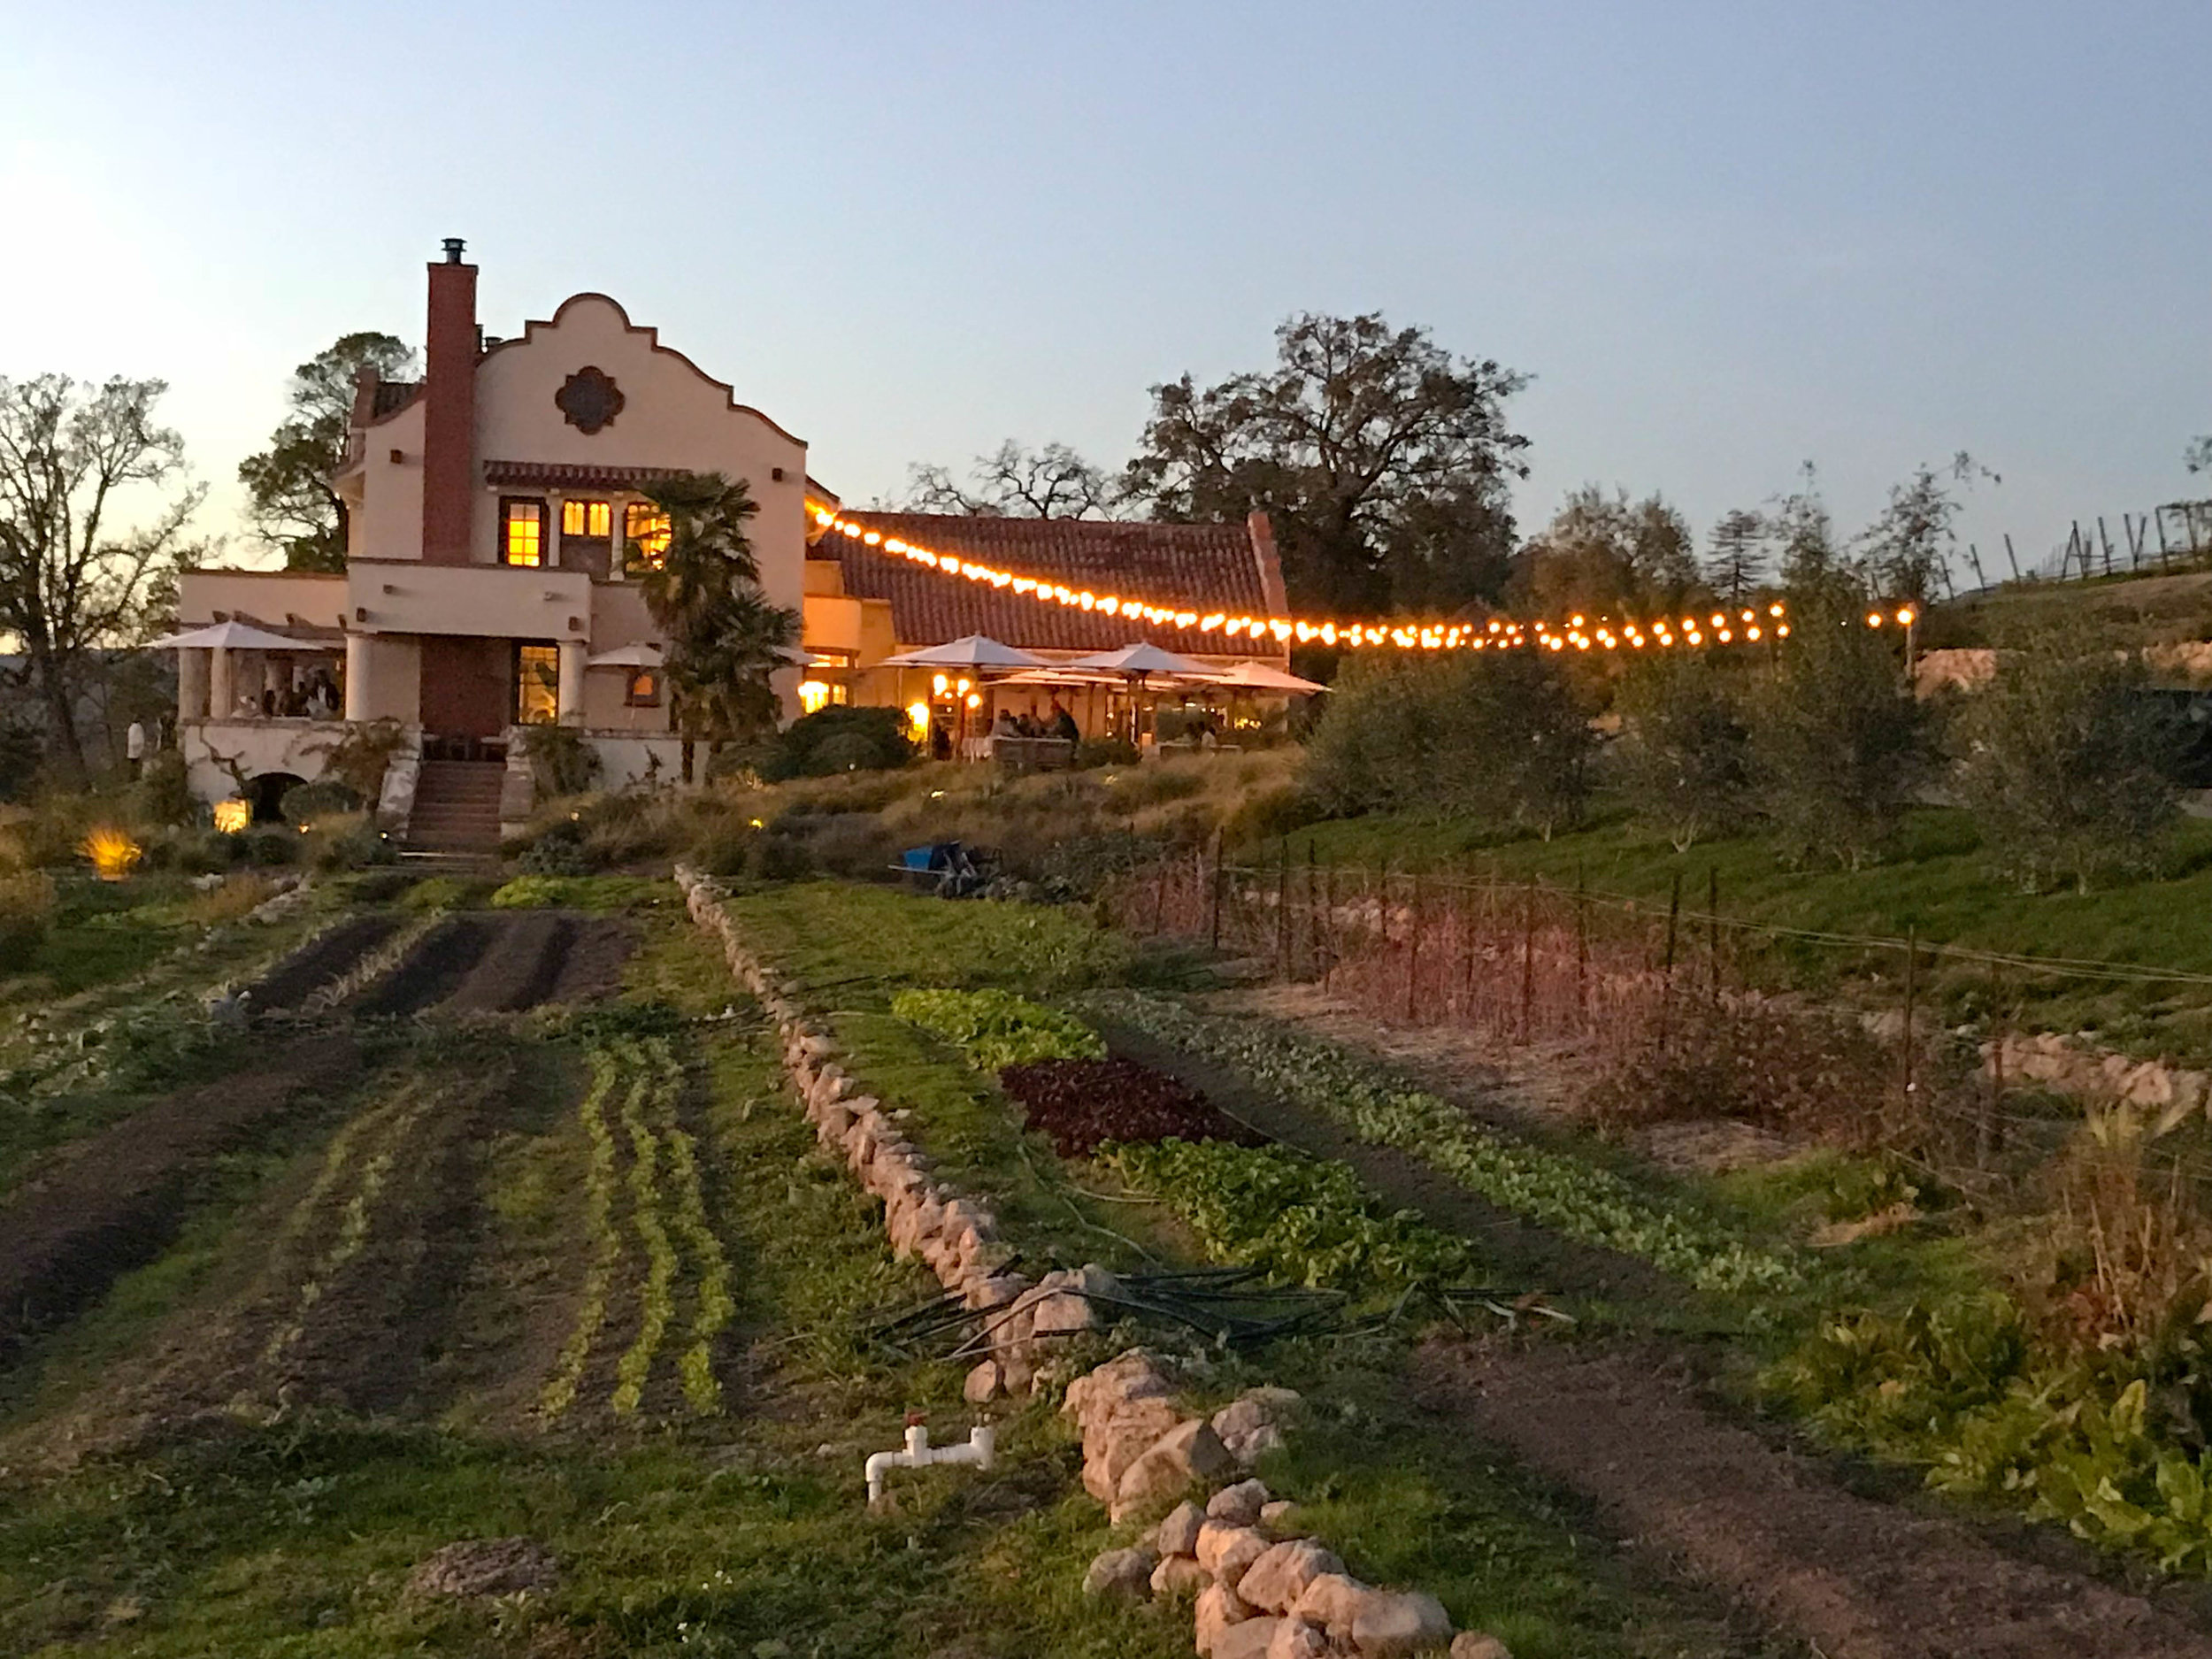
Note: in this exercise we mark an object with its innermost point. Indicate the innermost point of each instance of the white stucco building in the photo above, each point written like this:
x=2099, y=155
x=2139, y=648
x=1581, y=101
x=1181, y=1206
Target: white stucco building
x=495, y=528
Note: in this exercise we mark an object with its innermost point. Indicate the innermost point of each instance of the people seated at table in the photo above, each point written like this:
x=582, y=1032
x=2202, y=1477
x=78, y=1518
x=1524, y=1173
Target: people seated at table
x=1062, y=724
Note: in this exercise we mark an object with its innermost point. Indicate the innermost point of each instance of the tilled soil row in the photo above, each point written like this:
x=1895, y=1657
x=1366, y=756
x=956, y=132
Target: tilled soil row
x=503, y=964
x=119, y=1198
x=1856, y=1577
x=321, y=962
x=1861, y=1579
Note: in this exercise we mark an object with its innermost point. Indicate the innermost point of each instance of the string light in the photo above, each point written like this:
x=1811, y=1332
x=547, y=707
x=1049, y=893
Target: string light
x=1495, y=633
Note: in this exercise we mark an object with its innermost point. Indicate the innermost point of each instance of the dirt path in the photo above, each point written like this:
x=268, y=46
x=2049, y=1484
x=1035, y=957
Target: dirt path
x=1859, y=1579
x=1855, y=1578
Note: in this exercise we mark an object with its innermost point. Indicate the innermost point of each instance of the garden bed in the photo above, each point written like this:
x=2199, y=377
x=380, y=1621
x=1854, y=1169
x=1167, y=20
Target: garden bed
x=1082, y=1103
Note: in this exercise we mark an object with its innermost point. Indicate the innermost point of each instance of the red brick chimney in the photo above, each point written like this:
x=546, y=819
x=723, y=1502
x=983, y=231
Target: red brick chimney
x=448, y=409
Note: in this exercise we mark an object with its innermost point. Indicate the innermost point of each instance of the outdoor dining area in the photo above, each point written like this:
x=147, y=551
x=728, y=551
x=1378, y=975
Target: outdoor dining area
x=989, y=701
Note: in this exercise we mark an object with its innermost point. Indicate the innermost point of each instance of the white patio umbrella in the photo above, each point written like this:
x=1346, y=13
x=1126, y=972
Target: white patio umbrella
x=1139, y=659
x=1263, y=677
x=1136, y=663
x=644, y=653
x=975, y=650
x=233, y=636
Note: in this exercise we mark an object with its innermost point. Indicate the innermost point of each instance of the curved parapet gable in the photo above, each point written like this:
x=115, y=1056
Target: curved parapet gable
x=651, y=337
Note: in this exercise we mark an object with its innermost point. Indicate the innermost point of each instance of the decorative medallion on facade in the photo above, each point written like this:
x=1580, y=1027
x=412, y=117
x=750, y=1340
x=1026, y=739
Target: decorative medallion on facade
x=590, y=399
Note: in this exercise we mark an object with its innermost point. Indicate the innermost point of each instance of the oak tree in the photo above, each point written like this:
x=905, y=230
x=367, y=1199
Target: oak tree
x=76, y=577
x=1383, y=460
x=1016, y=482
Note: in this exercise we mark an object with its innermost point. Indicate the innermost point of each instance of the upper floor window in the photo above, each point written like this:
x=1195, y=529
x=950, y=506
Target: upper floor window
x=644, y=537
x=591, y=518
x=522, y=530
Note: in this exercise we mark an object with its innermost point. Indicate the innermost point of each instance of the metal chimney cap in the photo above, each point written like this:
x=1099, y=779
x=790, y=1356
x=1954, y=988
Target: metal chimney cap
x=453, y=247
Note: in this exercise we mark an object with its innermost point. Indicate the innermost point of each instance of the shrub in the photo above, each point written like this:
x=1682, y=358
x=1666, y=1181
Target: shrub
x=346, y=841
x=165, y=790
x=307, y=802
x=27, y=909
x=778, y=859
x=560, y=851
x=724, y=849
x=1838, y=742
x=855, y=845
x=2065, y=761
x=1687, y=761
x=269, y=845
x=562, y=761
x=1490, y=734
x=1266, y=815
x=838, y=739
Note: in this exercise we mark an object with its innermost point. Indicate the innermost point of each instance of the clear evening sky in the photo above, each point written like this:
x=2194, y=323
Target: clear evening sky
x=1725, y=239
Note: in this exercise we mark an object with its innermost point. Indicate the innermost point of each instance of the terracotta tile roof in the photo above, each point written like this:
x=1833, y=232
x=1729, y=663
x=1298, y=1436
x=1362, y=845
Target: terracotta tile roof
x=1206, y=567
x=574, y=475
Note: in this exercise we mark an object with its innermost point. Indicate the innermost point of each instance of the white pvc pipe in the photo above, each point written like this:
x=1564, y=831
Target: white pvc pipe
x=982, y=1442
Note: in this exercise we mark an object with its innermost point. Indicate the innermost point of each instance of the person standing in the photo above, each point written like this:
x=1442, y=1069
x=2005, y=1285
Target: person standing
x=134, y=748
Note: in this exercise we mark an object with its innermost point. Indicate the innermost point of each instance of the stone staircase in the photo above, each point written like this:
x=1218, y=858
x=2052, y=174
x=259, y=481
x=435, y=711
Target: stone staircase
x=457, y=807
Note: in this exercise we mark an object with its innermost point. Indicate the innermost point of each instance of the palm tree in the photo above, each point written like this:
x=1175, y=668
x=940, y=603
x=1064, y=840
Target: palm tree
x=702, y=588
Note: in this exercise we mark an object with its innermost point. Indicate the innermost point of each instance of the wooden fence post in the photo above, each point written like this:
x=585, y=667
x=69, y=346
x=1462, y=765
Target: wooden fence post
x=1467, y=953
x=1313, y=908
x=1328, y=924
x=1413, y=949
x=1213, y=929
x=1528, y=966
x=1282, y=912
x=1666, y=977
x=1991, y=1129
x=1712, y=926
x=1912, y=960
x=1582, y=947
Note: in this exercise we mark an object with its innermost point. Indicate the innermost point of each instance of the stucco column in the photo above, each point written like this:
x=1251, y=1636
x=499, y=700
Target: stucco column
x=357, y=699
x=276, y=675
x=192, y=685
x=220, y=698
x=571, y=688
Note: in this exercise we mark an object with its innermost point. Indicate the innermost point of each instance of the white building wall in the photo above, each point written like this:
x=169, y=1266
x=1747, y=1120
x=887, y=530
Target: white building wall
x=388, y=525
x=673, y=416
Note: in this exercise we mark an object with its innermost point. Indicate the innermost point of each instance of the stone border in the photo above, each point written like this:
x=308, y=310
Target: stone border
x=1259, y=1595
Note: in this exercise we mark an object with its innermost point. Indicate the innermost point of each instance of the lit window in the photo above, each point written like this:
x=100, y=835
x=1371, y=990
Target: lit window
x=537, y=684
x=645, y=536
x=592, y=518
x=645, y=689
x=523, y=541
x=814, y=695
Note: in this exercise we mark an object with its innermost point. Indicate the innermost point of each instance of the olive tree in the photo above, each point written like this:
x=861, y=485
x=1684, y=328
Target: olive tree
x=1686, y=755
x=1838, y=742
x=2065, y=759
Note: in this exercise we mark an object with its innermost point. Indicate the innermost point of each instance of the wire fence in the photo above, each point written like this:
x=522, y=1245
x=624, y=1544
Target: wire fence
x=1673, y=997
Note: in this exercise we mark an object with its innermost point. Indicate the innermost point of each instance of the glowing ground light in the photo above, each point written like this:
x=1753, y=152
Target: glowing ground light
x=113, y=854
x=1494, y=634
